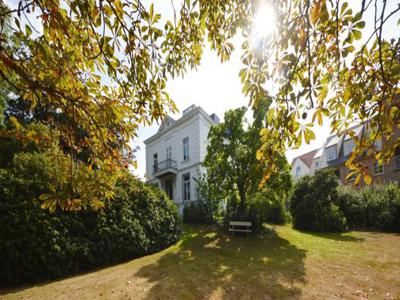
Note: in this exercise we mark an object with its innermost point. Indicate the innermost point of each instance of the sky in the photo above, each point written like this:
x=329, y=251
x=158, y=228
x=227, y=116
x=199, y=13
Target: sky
x=216, y=87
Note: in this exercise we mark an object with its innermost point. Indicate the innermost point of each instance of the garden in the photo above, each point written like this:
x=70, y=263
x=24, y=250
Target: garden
x=79, y=79
x=208, y=263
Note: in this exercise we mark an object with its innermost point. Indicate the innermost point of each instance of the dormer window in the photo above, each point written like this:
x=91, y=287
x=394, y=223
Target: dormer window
x=348, y=146
x=331, y=153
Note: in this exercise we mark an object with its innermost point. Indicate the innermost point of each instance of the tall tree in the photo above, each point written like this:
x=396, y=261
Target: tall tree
x=232, y=167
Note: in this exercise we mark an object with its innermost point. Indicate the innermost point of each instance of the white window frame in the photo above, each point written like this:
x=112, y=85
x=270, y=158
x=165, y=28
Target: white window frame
x=169, y=152
x=377, y=166
x=349, y=146
x=186, y=152
x=397, y=162
x=298, y=171
x=328, y=158
x=186, y=195
x=352, y=177
x=155, y=161
x=378, y=144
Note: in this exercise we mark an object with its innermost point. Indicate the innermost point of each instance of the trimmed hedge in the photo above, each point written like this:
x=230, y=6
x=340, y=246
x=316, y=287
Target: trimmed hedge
x=36, y=245
x=371, y=208
x=314, y=203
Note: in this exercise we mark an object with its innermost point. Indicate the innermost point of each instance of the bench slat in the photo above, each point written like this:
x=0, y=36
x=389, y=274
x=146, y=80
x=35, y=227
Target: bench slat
x=239, y=230
x=239, y=223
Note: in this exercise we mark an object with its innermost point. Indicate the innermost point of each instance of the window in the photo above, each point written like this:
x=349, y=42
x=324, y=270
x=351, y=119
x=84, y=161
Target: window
x=169, y=152
x=186, y=148
x=298, y=172
x=186, y=186
x=349, y=146
x=317, y=164
x=155, y=161
x=352, y=177
x=378, y=169
x=331, y=153
x=397, y=162
x=378, y=145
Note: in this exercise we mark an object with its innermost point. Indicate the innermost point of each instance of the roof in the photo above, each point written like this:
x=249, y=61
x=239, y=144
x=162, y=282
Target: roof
x=307, y=158
x=165, y=123
x=319, y=152
x=173, y=123
x=332, y=140
x=357, y=129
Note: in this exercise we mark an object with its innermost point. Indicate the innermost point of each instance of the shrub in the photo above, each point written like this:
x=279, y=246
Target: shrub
x=375, y=207
x=271, y=209
x=197, y=212
x=314, y=203
x=37, y=245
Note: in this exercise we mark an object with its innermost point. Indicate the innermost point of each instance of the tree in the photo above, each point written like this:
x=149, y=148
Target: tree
x=105, y=65
x=233, y=171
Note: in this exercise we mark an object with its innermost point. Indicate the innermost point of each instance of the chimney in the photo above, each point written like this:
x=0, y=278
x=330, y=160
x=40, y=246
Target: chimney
x=215, y=118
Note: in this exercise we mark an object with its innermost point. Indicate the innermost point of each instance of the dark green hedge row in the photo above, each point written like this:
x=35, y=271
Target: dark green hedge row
x=36, y=245
x=371, y=208
x=318, y=203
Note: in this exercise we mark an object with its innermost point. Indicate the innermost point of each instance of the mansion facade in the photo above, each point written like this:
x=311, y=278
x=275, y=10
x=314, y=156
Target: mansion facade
x=175, y=153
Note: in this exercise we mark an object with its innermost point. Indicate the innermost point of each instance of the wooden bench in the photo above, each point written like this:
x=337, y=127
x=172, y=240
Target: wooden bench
x=241, y=224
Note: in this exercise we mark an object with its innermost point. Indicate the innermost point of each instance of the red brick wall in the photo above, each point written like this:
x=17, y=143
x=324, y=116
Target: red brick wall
x=390, y=171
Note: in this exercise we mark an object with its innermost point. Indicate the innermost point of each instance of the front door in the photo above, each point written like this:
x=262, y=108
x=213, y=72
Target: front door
x=168, y=188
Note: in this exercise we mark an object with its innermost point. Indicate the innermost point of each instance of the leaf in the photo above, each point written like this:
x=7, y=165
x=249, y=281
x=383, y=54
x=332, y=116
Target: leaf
x=15, y=123
x=368, y=179
x=357, y=34
x=315, y=12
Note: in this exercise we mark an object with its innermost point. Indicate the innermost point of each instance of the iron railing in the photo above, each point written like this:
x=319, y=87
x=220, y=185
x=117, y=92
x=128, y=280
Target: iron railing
x=164, y=165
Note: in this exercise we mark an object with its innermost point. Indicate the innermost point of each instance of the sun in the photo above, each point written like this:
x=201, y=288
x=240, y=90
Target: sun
x=264, y=24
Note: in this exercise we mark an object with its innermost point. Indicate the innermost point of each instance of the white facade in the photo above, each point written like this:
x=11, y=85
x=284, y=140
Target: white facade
x=174, y=154
x=299, y=169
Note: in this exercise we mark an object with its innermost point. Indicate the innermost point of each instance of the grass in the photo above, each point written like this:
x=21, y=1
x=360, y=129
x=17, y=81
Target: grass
x=279, y=264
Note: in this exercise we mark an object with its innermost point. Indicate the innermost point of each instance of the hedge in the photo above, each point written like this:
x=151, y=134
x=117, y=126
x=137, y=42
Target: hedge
x=371, y=208
x=36, y=245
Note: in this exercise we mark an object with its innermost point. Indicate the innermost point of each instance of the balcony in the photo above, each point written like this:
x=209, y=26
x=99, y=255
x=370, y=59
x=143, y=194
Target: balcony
x=164, y=168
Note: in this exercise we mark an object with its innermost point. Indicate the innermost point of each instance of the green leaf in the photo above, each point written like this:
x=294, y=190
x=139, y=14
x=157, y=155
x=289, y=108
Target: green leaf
x=357, y=34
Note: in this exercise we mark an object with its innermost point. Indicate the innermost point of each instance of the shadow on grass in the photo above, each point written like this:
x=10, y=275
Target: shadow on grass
x=210, y=263
x=336, y=236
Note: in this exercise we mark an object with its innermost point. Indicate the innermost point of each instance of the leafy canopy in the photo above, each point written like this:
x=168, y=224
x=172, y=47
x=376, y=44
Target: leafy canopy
x=105, y=64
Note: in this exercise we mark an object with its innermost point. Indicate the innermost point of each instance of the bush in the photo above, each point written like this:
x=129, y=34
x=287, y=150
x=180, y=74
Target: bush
x=374, y=207
x=37, y=245
x=314, y=204
x=271, y=209
x=197, y=212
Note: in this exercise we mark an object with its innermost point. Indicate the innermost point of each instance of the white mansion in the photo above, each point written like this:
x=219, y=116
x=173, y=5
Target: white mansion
x=174, y=154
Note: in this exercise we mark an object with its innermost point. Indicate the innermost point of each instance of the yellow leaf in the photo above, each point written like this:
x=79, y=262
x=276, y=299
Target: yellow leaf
x=15, y=123
x=368, y=179
x=259, y=154
x=315, y=12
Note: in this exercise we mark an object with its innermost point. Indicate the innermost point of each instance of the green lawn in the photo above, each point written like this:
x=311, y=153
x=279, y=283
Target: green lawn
x=281, y=263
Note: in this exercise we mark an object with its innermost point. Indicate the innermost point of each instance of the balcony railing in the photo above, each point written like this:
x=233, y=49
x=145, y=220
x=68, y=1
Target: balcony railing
x=164, y=165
